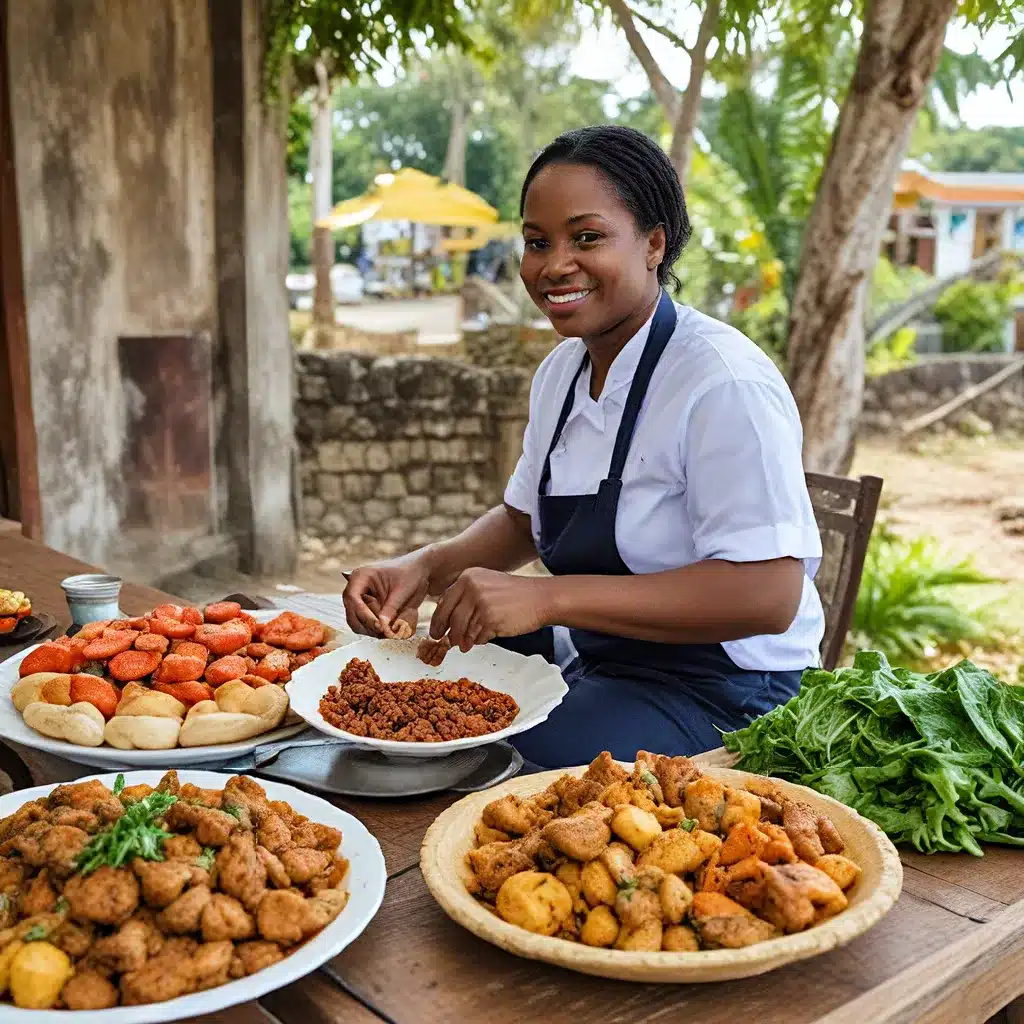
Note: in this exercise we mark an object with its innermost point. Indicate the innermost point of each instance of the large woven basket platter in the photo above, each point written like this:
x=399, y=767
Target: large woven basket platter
x=450, y=837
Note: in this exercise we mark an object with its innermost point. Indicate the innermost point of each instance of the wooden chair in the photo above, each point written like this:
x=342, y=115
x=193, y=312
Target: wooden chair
x=845, y=510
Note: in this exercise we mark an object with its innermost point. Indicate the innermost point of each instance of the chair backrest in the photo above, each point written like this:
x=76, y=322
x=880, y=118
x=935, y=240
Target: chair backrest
x=845, y=509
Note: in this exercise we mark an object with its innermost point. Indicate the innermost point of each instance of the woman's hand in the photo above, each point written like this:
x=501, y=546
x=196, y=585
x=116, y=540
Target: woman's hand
x=378, y=596
x=482, y=604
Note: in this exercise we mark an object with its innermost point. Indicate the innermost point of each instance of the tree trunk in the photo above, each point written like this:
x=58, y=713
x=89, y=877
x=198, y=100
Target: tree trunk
x=455, y=156
x=665, y=92
x=689, y=108
x=899, y=51
x=322, y=247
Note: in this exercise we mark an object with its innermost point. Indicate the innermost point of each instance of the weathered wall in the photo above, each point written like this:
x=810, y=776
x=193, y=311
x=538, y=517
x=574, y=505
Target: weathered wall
x=111, y=108
x=893, y=398
x=507, y=345
x=403, y=450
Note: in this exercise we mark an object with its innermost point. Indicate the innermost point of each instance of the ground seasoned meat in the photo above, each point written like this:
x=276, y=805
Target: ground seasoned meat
x=424, y=711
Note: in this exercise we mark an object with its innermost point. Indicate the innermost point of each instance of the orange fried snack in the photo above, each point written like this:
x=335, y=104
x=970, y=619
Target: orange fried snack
x=128, y=666
x=223, y=670
x=113, y=641
x=152, y=642
x=49, y=657
x=179, y=668
x=188, y=693
x=221, y=612
x=224, y=639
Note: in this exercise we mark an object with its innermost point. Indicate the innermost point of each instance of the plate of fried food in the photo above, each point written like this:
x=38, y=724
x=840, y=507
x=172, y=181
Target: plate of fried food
x=148, y=897
x=660, y=871
x=396, y=696
x=177, y=686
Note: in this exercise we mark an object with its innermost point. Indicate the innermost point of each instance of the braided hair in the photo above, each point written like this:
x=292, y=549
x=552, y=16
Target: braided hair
x=641, y=174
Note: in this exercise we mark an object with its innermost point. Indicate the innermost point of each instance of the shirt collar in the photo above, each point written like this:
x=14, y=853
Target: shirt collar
x=624, y=366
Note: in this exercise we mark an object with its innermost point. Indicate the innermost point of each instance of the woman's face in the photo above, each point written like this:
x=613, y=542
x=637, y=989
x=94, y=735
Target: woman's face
x=586, y=265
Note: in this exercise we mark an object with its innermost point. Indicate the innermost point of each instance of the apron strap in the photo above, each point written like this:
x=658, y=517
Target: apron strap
x=662, y=329
x=563, y=416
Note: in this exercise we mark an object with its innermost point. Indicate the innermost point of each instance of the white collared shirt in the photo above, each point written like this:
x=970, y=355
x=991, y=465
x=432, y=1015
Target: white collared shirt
x=713, y=472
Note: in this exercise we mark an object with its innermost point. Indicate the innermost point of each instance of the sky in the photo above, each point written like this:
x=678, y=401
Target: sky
x=604, y=54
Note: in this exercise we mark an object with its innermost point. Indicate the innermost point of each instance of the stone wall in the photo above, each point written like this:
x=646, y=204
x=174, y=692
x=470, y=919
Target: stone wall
x=505, y=345
x=396, y=452
x=893, y=398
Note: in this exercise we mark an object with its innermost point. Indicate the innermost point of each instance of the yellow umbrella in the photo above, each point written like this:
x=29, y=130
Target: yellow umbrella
x=480, y=237
x=414, y=196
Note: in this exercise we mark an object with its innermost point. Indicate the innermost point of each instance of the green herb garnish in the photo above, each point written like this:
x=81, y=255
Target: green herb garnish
x=687, y=824
x=36, y=933
x=649, y=778
x=234, y=810
x=206, y=858
x=935, y=759
x=118, y=785
x=626, y=887
x=5, y=902
x=134, y=834
x=62, y=906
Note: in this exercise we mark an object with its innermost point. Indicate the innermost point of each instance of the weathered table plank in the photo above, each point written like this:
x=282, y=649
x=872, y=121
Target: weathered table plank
x=448, y=974
x=315, y=1000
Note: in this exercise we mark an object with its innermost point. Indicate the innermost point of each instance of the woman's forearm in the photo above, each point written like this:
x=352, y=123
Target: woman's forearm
x=500, y=539
x=708, y=602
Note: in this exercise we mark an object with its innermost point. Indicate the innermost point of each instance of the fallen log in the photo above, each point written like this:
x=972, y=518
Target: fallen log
x=964, y=398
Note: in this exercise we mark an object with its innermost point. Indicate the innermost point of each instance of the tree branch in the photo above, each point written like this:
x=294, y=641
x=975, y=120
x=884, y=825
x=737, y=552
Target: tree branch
x=663, y=30
x=665, y=92
x=689, y=106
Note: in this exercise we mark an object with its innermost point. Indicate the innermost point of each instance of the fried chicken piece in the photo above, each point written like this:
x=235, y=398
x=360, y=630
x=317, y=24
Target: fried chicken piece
x=740, y=806
x=12, y=873
x=812, y=834
x=251, y=957
x=573, y=794
x=170, y=783
x=778, y=849
x=276, y=874
x=74, y=817
x=133, y=794
x=711, y=876
x=126, y=950
x=225, y=918
x=274, y=833
x=322, y=909
x=618, y=859
x=638, y=904
x=494, y=863
x=197, y=795
x=287, y=813
x=89, y=990
x=212, y=827
x=605, y=770
x=314, y=836
x=722, y=923
x=241, y=791
x=38, y=897
x=304, y=864
x=211, y=963
x=74, y=938
x=280, y=916
x=744, y=883
x=675, y=851
x=107, y=896
x=484, y=834
x=799, y=895
x=644, y=778
x=770, y=795
x=617, y=793
x=584, y=835
x=184, y=914
x=40, y=844
x=674, y=775
x=167, y=976
x=744, y=840
x=90, y=796
x=15, y=823
x=843, y=871
x=240, y=872
x=182, y=848
x=704, y=799
x=162, y=881
x=517, y=817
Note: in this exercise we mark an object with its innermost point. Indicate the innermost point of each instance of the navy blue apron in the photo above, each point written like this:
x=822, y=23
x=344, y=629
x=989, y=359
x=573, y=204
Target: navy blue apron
x=627, y=695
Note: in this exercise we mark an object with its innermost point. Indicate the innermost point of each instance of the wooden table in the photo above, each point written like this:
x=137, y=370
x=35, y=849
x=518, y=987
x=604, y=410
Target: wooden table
x=950, y=952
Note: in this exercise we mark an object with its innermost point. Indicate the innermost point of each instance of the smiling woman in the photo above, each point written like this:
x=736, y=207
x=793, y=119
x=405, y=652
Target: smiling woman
x=660, y=483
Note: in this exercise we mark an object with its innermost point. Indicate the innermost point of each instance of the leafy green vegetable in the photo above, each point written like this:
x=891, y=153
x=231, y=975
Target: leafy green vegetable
x=688, y=824
x=627, y=887
x=206, y=858
x=118, y=785
x=5, y=902
x=936, y=760
x=233, y=809
x=649, y=778
x=62, y=906
x=36, y=933
x=135, y=834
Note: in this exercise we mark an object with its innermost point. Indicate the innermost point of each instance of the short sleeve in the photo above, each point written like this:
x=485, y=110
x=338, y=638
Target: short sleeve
x=745, y=486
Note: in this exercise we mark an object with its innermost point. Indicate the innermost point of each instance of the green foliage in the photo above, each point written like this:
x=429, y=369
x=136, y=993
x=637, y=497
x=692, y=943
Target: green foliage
x=973, y=314
x=139, y=832
x=909, y=602
x=935, y=760
x=992, y=148
x=766, y=323
x=891, y=285
x=892, y=353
